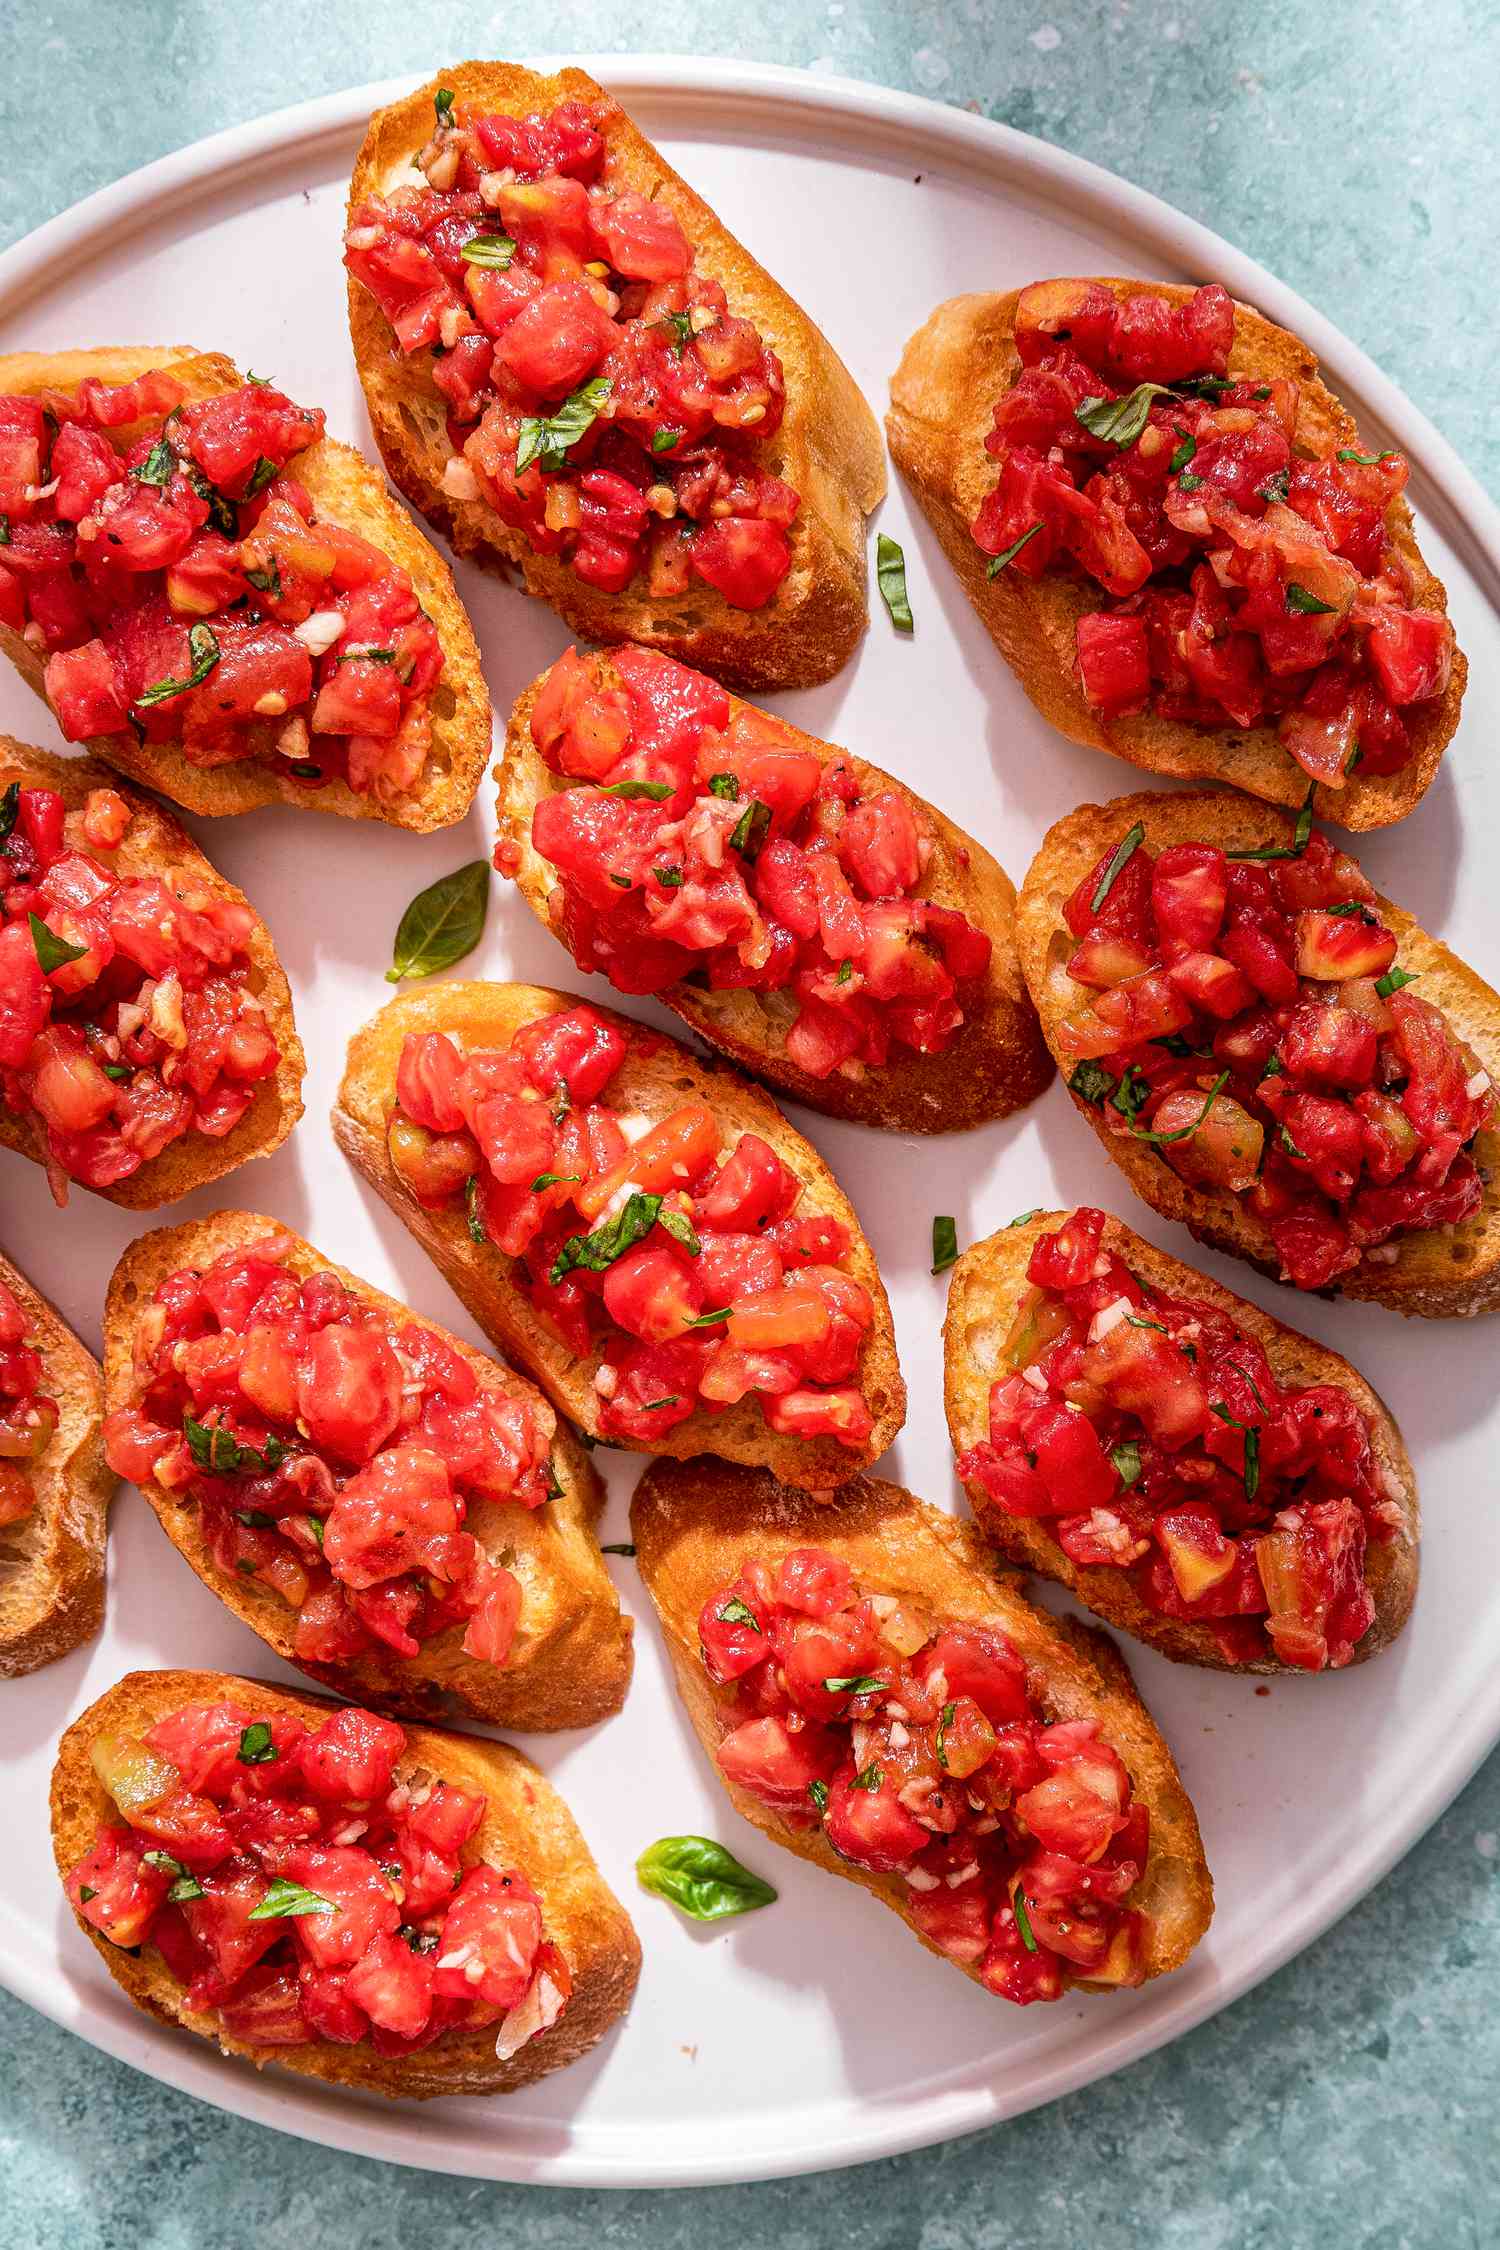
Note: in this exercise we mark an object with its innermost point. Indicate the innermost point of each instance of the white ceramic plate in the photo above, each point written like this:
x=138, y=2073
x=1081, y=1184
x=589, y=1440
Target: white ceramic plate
x=816, y=2033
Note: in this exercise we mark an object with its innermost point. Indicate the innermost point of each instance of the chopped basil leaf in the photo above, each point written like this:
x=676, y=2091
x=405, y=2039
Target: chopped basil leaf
x=1129, y=843
x=680, y=326
x=185, y=1887
x=86, y=1891
x=1023, y=1923
x=870, y=1780
x=1184, y=453
x=1285, y=1138
x=1210, y=387
x=846, y=971
x=817, y=1790
x=284, y=1900
x=1187, y=482
x=630, y=1225
x=1185, y=1132
x=1139, y=1320
x=724, y=785
x=1025, y=1219
x=890, y=577
x=5, y=542
x=555, y=1179
x=944, y=1243
x=1366, y=460
x=998, y=562
x=1393, y=980
x=1275, y=489
x=1275, y=1066
x=442, y=103
x=1251, y=1436
x=221, y=512
x=945, y=1721
x=670, y=878
x=546, y=439
x=117, y=1071
x=1091, y=1082
x=628, y=790
x=266, y=581
x=52, y=952
x=256, y=1745
x=10, y=806
x=711, y=1319
x=856, y=1683
x=702, y=1878
x=623, y=1547
x=261, y=475
x=1126, y=1457
x=491, y=250
x=366, y=654
x=1307, y=605
x=216, y=1449
x=1301, y=835
x=159, y=466
x=736, y=1612
x=254, y=1519
x=749, y=832
x=1120, y=421
x=1132, y=1094
x=442, y=923
x=204, y=651
x=471, y=1209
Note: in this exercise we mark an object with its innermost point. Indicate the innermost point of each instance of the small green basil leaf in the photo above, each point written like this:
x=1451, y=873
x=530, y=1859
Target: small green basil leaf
x=491, y=250
x=1129, y=843
x=702, y=1878
x=1305, y=604
x=1120, y=421
x=890, y=577
x=998, y=562
x=442, y=923
x=547, y=438
x=256, y=1745
x=944, y=1243
x=52, y=952
x=204, y=651
x=284, y=1900
x=1091, y=1082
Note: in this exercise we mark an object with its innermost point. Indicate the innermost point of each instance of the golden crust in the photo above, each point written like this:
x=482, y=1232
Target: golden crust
x=987, y=1285
x=349, y=492
x=694, y=1522
x=526, y=1824
x=52, y=1562
x=828, y=447
x=1437, y=1272
x=654, y=1079
x=570, y=1663
x=156, y=844
x=943, y=397
x=996, y=1063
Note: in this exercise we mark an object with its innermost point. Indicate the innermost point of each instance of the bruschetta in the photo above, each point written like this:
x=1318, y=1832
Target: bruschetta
x=304, y=1883
x=641, y=1230
x=55, y=1484
x=1172, y=532
x=224, y=603
x=881, y=1699
x=390, y=1510
x=146, y=1037
x=804, y=912
x=1206, y=1479
x=575, y=371
x=1270, y=1051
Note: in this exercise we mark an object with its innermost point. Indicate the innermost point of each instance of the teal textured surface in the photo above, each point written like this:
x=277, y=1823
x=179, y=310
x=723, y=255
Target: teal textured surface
x=1351, y=2100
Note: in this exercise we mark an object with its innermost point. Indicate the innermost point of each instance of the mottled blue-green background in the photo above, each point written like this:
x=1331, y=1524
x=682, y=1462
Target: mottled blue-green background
x=1352, y=2102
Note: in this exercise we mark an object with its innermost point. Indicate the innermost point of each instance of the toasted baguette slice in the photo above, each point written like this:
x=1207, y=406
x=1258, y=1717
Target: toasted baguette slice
x=693, y=1524
x=156, y=844
x=52, y=1561
x=952, y=376
x=1440, y=1273
x=569, y=1664
x=996, y=1063
x=525, y=1825
x=346, y=490
x=827, y=448
x=654, y=1079
x=987, y=1285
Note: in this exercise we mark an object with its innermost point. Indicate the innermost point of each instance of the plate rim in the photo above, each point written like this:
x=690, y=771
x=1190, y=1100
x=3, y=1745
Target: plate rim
x=1470, y=521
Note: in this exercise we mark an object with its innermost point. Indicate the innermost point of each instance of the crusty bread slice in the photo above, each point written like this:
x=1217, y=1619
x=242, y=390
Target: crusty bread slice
x=349, y=492
x=1438, y=1272
x=655, y=1078
x=526, y=1825
x=996, y=1063
x=694, y=1522
x=156, y=844
x=52, y=1561
x=828, y=447
x=952, y=375
x=569, y=1664
x=988, y=1284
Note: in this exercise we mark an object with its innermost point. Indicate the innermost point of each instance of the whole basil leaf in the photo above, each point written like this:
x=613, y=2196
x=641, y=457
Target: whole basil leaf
x=701, y=1877
x=442, y=923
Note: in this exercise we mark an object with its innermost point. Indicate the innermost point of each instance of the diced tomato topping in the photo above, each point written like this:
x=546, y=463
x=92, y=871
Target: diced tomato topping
x=1247, y=580
x=921, y=1751
x=364, y=1915
x=1226, y=1496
